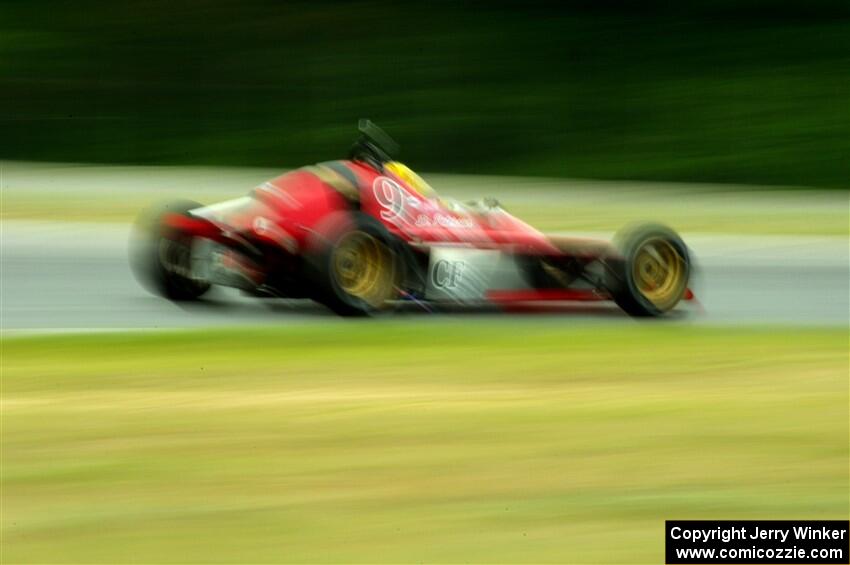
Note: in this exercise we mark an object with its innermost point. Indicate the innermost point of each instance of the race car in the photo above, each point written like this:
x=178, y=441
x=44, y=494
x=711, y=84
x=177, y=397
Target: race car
x=367, y=234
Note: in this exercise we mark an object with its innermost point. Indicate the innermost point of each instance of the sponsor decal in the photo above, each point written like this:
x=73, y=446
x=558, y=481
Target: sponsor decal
x=447, y=274
x=443, y=221
x=399, y=208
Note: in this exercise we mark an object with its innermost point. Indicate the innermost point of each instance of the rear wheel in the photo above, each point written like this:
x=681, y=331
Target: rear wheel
x=359, y=272
x=650, y=276
x=161, y=259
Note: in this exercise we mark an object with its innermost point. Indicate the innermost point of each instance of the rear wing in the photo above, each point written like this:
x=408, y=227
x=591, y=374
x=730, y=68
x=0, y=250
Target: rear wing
x=374, y=145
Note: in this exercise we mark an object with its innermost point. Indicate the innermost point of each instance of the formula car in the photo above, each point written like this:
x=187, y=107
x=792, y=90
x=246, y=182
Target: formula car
x=366, y=234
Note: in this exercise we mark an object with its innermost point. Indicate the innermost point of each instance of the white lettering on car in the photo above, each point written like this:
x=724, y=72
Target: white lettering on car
x=447, y=274
x=399, y=208
x=393, y=199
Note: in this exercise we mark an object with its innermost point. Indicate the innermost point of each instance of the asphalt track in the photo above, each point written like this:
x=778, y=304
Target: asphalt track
x=60, y=276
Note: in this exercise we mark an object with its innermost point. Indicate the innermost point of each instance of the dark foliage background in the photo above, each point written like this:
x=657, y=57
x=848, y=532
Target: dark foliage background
x=720, y=91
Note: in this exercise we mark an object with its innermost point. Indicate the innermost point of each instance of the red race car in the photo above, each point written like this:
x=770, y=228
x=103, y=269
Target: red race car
x=365, y=234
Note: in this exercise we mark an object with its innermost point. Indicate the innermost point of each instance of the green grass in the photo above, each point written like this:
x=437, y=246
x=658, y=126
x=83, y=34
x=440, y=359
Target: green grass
x=392, y=442
x=83, y=193
x=552, y=216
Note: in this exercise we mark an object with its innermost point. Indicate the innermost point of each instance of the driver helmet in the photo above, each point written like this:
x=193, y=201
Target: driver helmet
x=411, y=179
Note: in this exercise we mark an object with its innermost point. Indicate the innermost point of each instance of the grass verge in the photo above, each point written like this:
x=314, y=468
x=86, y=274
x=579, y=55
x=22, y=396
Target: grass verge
x=397, y=442
x=53, y=192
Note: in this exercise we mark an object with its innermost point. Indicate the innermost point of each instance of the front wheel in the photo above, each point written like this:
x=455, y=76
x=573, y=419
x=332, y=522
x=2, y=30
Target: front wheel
x=650, y=275
x=160, y=259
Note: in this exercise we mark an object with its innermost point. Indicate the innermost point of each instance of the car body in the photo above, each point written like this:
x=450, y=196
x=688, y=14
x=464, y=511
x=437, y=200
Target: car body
x=365, y=234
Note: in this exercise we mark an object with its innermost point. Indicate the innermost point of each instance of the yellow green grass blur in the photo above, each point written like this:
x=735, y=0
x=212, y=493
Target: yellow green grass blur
x=384, y=441
x=117, y=194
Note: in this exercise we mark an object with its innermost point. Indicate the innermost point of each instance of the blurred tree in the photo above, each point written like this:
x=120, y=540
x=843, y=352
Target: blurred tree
x=726, y=91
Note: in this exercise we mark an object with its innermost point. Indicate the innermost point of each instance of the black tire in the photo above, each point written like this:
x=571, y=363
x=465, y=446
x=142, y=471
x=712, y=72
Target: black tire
x=332, y=270
x=159, y=260
x=650, y=275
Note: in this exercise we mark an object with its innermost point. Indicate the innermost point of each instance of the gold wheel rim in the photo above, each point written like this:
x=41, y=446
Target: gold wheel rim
x=660, y=273
x=363, y=268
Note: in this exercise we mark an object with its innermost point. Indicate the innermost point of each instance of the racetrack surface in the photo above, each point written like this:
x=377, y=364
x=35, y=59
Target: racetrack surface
x=74, y=276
